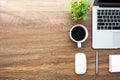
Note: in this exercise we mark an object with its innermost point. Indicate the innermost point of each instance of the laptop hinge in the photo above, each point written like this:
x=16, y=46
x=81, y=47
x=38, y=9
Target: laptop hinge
x=109, y=6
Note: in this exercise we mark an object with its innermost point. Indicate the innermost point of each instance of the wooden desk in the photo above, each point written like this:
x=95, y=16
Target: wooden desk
x=35, y=45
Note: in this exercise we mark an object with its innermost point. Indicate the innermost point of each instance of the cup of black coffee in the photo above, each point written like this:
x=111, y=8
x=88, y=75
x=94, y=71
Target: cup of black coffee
x=78, y=34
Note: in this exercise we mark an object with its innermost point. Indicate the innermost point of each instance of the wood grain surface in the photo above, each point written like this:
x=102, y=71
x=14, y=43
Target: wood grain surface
x=35, y=45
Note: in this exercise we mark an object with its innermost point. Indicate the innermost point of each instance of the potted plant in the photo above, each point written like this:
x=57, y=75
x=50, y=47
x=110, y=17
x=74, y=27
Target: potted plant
x=79, y=9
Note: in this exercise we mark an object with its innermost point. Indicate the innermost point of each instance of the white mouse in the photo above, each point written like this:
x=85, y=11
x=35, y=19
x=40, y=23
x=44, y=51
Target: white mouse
x=80, y=63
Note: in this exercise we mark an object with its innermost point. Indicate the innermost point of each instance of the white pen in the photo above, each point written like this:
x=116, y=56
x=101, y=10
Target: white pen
x=96, y=62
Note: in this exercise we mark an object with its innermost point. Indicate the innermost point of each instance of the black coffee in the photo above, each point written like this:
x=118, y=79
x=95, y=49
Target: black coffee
x=78, y=33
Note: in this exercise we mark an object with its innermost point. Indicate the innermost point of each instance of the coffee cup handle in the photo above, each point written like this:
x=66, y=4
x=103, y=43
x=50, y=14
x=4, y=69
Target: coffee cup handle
x=79, y=45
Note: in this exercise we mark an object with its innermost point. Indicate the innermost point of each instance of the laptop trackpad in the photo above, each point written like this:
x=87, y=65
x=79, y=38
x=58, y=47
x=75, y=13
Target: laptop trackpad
x=116, y=39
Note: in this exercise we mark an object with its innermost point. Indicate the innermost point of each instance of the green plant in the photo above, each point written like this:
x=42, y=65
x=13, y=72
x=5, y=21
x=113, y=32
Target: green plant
x=79, y=9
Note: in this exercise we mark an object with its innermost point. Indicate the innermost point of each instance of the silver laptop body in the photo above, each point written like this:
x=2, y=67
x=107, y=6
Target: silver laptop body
x=106, y=24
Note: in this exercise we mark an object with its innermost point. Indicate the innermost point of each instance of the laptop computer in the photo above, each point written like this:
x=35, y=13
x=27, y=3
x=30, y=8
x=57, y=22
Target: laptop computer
x=106, y=24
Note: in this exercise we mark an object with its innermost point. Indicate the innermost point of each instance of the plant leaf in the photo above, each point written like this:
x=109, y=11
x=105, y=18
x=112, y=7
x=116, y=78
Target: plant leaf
x=79, y=9
x=85, y=17
x=72, y=1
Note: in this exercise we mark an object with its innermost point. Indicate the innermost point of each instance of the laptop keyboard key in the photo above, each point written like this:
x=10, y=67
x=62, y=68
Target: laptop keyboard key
x=109, y=28
x=102, y=27
x=98, y=28
x=105, y=27
x=106, y=23
x=101, y=24
x=100, y=20
x=116, y=28
x=117, y=24
x=99, y=16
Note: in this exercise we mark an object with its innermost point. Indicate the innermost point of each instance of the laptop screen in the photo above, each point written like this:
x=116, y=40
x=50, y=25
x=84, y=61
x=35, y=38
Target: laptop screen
x=109, y=1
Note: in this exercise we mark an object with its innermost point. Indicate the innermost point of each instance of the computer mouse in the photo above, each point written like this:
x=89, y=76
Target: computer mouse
x=80, y=63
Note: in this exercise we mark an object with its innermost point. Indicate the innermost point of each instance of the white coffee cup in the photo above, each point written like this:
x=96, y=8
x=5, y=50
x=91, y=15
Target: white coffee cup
x=78, y=34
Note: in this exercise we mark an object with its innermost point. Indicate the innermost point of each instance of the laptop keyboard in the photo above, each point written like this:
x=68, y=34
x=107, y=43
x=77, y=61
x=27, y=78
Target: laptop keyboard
x=108, y=19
